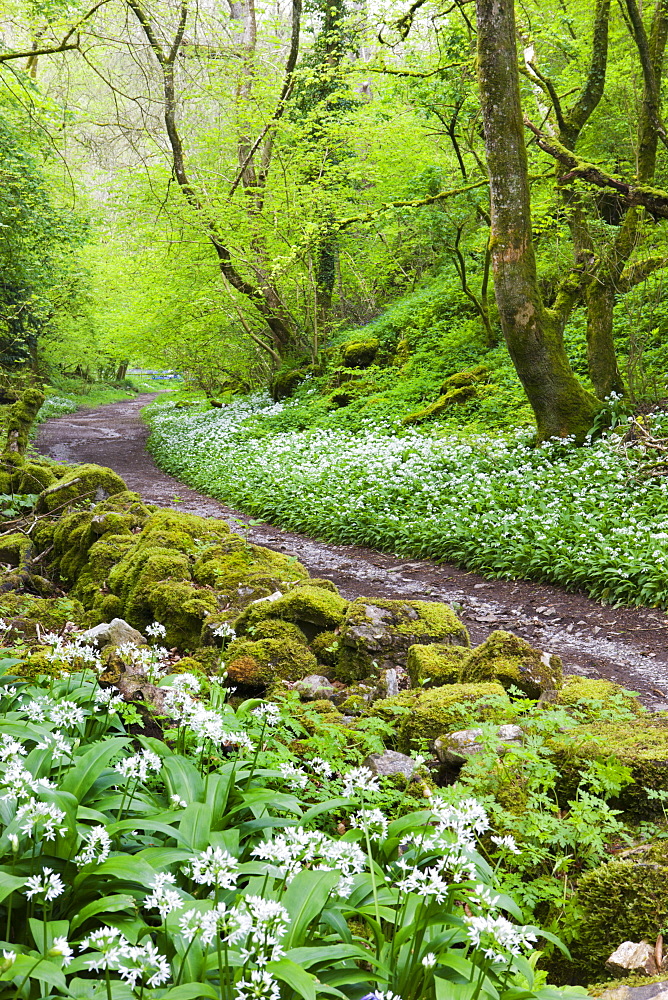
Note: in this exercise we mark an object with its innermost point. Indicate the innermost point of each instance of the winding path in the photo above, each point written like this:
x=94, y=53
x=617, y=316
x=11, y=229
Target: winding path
x=628, y=645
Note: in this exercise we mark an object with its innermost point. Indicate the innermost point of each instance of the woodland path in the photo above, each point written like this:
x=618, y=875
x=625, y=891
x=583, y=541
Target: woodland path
x=627, y=645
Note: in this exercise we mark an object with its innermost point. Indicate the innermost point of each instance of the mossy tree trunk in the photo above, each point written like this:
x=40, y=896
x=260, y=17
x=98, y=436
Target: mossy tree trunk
x=21, y=418
x=611, y=279
x=533, y=333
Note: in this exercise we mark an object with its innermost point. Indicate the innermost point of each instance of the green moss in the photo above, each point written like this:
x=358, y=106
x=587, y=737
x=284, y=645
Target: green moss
x=445, y=709
x=451, y=398
x=470, y=376
x=377, y=634
x=245, y=573
x=325, y=647
x=84, y=483
x=258, y=664
x=13, y=547
x=275, y=628
x=31, y=616
x=414, y=619
x=640, y=745
x=19, y=421
x=33, y=478
x=316, y=581
x=181, y=607
x=312, y=608
x=513, y=662
x=92, y=581
x=392, y=710
x=359, y=353
x=433, y=666
x=589, y=694
x=622, y=900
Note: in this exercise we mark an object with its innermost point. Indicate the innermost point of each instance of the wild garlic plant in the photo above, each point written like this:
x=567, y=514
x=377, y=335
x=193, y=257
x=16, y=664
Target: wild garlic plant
x=132, y=869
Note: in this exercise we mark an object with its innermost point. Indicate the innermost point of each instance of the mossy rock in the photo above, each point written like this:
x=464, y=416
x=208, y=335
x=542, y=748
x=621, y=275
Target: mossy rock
x=287, y=379
x=33, y=478
x=377, y=634
x=82, y=484
x=325, y=647
x=514, y=663
x=444, y=402
x=392, y=710
x=181, y=607
x=640, y=745
x=25, y=612
x=13, y=547
x=275, y=628
x=625, y=899
x=587, y=694
x=470, y=376
x=91, y=586
x=36, y=664
x=435, y=665
x=359, y=353
x=245, y=573
x=317, y=581
x=452, y=707
x=313, y=609
x=258, y=664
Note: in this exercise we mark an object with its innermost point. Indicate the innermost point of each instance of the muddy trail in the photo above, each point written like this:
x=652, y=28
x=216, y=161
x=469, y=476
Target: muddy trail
x=627, y=645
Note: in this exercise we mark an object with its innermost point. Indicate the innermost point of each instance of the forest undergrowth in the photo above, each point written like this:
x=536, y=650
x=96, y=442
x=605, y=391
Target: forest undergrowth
x=589, y=518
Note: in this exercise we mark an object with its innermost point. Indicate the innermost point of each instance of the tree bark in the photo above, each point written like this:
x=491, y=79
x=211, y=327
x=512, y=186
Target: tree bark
x=532, y=332
x=605, y=285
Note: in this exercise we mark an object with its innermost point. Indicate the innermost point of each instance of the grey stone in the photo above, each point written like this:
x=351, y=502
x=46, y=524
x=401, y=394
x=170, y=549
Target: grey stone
x=315, y=686
x=384, y=634
x=114, y=633
x=634, y=956
x=390, y=762
x=457, y=747
x=272, y=597
x=653, y=991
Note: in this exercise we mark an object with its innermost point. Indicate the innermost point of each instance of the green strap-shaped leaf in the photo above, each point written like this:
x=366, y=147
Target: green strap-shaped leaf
x=89, y=766
x=302, y=982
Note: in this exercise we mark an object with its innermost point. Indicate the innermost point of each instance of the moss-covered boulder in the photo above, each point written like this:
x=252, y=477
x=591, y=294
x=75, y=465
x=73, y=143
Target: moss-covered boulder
x=377, y=635
x=623, y=900
x=276, y=628
x=258, y=664
x=435, y=665
x=641, y=745
x=589, y=695
x=31, y=617
x=83, y=484
x=13, y=547
x=448, y=708
x=325, y=647
x=514, y=663
x=33, y=478
x=244, y=573
x=359, y=353
x=313, y=609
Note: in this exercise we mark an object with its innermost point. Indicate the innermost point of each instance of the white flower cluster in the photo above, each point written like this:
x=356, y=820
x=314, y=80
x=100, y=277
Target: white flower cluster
x=139, y=766
x=151, y=661
x=208, y=725
x=134, y=963
x=73, y=653
x=290, y=852
x=95, y=848
x=559, y=513
x=66, y=714
x=214, y=867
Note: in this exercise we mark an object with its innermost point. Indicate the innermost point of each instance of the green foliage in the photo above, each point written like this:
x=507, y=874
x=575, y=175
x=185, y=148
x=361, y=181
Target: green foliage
x=182, y=871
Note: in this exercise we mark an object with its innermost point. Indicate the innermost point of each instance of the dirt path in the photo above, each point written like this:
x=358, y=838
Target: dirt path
x=628, y=645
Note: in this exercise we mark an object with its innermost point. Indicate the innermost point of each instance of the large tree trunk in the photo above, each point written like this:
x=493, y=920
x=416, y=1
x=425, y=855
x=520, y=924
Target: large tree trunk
x=533, y=333
x=605, y=285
